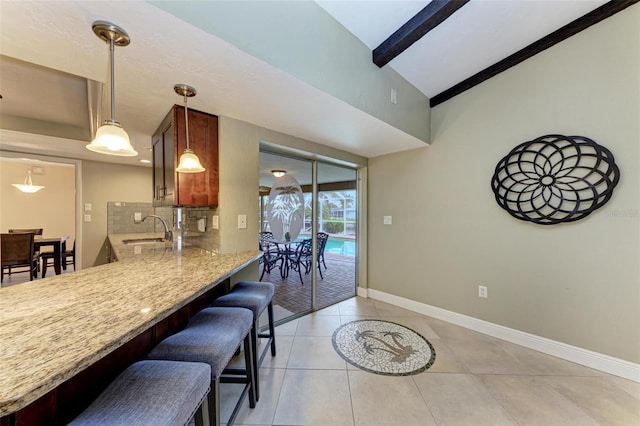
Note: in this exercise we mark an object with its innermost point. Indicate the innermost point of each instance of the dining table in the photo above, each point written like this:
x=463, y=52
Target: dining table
x=286, y=248
x=58, y=244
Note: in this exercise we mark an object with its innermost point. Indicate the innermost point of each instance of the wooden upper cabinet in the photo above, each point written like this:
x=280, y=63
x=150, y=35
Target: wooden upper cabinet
x=186, y=189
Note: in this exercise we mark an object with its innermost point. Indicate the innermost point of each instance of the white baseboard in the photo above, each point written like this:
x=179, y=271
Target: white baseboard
x=362, y=292
x=598, y=361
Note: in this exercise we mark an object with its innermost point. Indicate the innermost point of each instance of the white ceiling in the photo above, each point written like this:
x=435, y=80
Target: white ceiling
x=56, y=35
x=478, y=35
x=301, y=170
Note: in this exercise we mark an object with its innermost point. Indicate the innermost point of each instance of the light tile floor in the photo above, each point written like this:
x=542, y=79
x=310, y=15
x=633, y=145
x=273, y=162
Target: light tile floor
x=476, y=380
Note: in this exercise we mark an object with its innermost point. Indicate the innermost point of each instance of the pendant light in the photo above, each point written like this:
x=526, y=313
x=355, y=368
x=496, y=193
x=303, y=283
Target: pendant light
x=28, y=185
x=189, y=161
x=111, y=138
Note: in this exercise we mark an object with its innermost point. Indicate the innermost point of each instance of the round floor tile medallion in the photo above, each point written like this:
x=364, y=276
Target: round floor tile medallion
x=383, y=347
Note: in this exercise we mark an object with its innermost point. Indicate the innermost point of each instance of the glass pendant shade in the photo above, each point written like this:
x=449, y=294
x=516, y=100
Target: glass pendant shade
x=28, y=185
x=189, y=163
x=111, y=139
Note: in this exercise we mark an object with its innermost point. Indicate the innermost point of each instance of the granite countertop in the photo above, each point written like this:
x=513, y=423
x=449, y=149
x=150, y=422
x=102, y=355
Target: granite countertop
x=53, y=328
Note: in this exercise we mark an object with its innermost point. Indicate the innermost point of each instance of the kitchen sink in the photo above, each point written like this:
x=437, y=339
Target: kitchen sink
x=134, y=241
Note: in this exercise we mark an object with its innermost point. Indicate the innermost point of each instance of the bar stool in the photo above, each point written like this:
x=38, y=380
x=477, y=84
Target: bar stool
x=152, y=393
x=212, y=336
x=256, y=296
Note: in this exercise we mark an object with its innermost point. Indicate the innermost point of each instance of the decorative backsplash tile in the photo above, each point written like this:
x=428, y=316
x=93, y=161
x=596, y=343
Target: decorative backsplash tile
x=121, y=215
x=120, y=218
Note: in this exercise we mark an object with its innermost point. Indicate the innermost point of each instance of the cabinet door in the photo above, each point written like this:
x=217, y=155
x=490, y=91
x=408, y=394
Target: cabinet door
x=163, y=163
x=198, y=189
x=169, y=164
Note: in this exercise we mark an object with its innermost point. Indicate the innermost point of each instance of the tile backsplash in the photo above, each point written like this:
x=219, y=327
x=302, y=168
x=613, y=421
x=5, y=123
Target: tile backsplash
x=120, y=220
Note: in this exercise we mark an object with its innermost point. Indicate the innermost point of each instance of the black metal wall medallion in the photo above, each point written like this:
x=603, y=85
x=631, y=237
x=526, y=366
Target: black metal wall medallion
x=554, y=179
x=383, y=347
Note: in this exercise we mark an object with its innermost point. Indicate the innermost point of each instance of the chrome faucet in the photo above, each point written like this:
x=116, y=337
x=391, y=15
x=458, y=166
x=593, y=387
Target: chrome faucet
x=168, y=235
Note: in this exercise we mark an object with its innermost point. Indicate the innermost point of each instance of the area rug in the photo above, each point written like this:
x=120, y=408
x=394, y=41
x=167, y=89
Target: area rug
x=383, y=347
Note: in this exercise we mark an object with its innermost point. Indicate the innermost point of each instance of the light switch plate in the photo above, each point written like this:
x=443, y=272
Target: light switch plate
x=87, y=218
x=387, y=220
x=242, y=221
x=215, y=221
x=87, y=207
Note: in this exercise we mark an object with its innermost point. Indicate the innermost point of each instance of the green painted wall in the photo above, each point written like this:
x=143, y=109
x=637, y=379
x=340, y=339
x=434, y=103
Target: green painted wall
x=577, y=283
x=300, y=38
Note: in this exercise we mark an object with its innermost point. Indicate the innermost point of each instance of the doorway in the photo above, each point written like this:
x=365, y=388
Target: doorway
x=52, y=208
x=330, y=222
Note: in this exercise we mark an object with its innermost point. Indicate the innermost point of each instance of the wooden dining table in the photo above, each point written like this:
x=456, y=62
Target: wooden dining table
x=57, y=243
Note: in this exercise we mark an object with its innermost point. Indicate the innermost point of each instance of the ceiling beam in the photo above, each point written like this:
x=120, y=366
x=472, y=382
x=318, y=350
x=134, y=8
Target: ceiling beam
x=424, y=21
x=572, y=28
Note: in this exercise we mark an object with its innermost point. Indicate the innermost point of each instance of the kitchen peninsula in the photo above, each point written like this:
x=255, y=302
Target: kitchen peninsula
x=62, y=338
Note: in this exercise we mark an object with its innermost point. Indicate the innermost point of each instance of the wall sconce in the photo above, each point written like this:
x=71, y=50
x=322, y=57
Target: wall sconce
x=279, y=173
x=189, y=161
x=111, y=138
x=28, y=185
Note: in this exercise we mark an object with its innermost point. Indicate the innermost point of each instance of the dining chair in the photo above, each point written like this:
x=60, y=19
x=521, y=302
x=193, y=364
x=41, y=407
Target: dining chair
x=270, y=256
x=322, y=243
x=265, y=235
x=68, y=258
x=301, y=257
x=18, y=252
x=34, y=231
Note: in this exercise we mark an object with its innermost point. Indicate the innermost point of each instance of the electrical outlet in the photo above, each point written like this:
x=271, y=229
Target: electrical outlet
x=394, y=96
x=137, y=216
x=215, y=221
x=387, y=220
x=483, y=292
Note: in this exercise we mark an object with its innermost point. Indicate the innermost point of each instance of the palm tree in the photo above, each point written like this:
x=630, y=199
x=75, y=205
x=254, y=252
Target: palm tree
x=399, y=351
x=286, y=206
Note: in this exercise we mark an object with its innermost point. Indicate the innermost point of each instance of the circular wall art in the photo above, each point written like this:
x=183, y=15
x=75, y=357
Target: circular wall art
x=554, y=179
x=383, y=347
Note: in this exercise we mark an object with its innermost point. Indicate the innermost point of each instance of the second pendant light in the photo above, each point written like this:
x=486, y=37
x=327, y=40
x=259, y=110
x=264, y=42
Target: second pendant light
x=189, y=161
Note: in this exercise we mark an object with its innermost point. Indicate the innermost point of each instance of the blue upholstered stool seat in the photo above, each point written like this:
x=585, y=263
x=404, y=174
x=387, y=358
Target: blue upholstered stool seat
x=256, y=296
x=212, y=336
x=151, y=393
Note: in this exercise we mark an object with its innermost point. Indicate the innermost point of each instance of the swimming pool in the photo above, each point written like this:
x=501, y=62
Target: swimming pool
x=342, y=246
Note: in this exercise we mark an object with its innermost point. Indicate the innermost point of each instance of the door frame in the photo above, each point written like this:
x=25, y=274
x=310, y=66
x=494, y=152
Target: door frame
x=360, y=261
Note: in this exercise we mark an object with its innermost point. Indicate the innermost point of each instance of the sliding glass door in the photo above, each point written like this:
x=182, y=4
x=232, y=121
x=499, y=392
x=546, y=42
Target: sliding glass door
x=286, y=254
x=337, y=213
x=317, y=267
